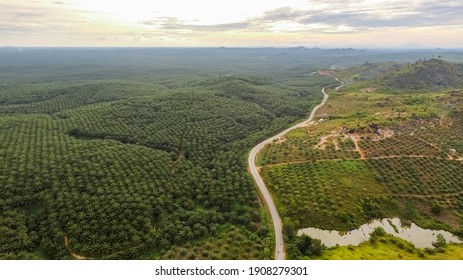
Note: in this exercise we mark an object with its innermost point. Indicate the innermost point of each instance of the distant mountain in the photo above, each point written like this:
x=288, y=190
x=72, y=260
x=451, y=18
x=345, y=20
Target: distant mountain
x=431, y=74
x=413, y=47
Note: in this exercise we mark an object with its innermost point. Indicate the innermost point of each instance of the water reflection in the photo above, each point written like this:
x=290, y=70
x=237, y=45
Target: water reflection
x=422, y=238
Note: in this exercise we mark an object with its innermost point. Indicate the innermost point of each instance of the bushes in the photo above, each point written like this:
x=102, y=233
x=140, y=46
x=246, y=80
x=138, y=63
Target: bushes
x=371, y=208
x=440, y=242
x=304, y=246
x=436, y=208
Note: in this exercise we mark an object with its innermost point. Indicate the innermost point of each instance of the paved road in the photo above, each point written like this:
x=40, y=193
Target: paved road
x=277, y=224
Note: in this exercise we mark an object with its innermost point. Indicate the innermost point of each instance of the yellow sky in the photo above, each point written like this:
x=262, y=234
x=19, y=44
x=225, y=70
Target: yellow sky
x=372, y=23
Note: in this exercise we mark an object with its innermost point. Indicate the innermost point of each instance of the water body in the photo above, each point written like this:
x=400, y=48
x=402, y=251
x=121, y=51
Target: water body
x=421, y=237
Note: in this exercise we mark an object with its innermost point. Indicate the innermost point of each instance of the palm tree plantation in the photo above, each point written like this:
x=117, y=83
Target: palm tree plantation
x=141, y=153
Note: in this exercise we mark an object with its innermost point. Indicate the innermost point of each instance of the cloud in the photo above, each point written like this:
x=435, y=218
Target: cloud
x=20, y=27
x=171, y=23
x=334, y=17
x=17, y=13
x=283, y=13
x=21, y=17
x=292, y=20
x=426, y=15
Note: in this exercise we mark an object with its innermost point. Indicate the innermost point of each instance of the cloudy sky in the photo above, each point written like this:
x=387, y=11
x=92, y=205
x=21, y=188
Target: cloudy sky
x=358, y=23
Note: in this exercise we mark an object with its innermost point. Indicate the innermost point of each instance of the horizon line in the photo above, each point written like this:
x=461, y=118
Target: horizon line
x=324, y=47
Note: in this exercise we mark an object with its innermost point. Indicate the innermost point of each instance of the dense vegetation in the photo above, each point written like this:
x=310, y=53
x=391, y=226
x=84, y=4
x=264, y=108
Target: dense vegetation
x=140, y=153
x=422, y=75
x=425, y=76
x=110, y=167
x=233, y=243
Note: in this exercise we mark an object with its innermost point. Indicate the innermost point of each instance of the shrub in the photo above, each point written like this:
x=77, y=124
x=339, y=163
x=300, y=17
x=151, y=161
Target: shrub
x=436, y=208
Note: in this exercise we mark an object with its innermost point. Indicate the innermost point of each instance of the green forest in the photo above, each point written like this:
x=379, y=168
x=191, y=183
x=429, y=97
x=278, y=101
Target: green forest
x=110, y=167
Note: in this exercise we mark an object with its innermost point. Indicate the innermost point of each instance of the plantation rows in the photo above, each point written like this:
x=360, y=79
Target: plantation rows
x=86, y=189
x=232, y=244
x=439, y=178
x=117, y=178
x=291, y=98
x=399, y=145
x=447, y=136
x=418, y=173
x=22, y=93
x=196, y=124
x=51, y=99
x=297, y=146
x=325, y=194
x=63, y=184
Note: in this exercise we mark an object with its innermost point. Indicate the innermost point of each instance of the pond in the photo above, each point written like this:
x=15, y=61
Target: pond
x=421, y=237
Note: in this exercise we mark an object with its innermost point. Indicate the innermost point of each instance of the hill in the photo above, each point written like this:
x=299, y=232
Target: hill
x=424, y=75
x=374, y=153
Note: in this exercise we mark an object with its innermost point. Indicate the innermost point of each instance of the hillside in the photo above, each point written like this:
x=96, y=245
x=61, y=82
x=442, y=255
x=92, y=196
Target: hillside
x=423, y=75
x=374, y=153
x=428, y=75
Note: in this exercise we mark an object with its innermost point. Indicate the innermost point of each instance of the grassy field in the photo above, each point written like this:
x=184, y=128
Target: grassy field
x=388, y=247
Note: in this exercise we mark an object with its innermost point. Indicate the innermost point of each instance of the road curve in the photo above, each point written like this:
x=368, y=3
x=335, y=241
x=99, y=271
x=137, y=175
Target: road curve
x=277, y=224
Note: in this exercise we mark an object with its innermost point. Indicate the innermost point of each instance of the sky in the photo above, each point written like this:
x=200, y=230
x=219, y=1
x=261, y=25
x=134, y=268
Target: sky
x=232, y=23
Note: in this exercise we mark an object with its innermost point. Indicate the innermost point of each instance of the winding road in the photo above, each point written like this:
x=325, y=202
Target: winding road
x=277, y=224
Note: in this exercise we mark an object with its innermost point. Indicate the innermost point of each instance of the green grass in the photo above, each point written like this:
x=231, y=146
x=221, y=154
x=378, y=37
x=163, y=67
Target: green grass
x=391, y=248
